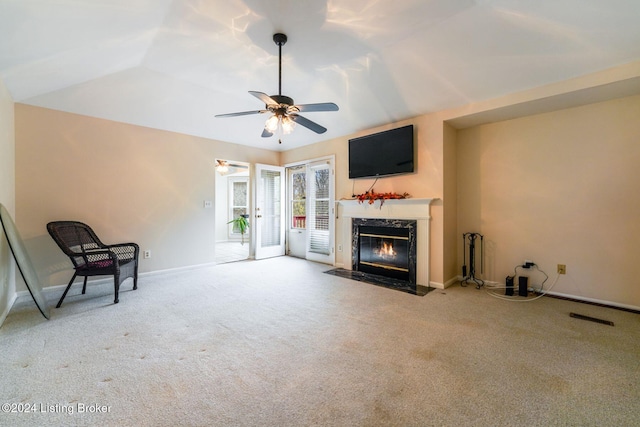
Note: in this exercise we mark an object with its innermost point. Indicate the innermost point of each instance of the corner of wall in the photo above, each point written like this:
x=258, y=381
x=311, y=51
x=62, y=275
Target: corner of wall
x=450, y=195
x=7, y=197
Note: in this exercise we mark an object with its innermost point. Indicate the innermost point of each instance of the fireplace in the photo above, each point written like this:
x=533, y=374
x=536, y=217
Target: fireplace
x=405, y=213
x=385, y=247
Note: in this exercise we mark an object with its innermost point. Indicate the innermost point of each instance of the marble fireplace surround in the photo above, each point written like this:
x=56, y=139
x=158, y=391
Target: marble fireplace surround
x=403, y=209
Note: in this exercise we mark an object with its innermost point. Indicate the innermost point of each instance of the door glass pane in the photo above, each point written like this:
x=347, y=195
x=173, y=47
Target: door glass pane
x=240, y=194
x=322, y=183
x=298, y=202
x=319, y=237
x=239, y=199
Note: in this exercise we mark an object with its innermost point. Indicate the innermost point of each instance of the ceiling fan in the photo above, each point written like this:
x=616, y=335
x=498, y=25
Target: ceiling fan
x=223, y=167
x=284, y=111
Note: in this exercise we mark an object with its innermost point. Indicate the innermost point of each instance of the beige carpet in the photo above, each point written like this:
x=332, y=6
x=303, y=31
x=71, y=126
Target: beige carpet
x=278, y=343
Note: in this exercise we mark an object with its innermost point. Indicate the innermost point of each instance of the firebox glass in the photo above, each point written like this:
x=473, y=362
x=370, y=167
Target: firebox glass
x=384, y=252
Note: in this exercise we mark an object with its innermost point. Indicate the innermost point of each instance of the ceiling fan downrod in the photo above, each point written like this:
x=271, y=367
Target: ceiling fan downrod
x=280, y=39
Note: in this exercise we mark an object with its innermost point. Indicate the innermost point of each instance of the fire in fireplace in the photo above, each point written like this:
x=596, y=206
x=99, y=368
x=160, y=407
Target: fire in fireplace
x=386, y=251
x=385, y=248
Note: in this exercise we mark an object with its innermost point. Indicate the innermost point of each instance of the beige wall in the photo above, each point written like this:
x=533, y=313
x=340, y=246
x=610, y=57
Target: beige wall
x=7, y=197
x=558, y=188
x=129, y=183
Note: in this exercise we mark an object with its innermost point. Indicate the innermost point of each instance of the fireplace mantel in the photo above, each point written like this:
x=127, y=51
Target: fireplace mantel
x=414, y=209
x=393, y=208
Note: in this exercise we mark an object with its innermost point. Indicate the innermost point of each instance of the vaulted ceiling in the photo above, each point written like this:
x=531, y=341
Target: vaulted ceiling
x=174, y=64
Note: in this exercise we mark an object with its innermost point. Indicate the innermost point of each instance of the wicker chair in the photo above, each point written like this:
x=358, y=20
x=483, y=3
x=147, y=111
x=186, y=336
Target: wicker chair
x=91, y=257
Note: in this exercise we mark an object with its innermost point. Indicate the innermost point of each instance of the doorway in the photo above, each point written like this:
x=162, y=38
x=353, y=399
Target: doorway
x=311, y=210
x=269, y=218
x=231, y=201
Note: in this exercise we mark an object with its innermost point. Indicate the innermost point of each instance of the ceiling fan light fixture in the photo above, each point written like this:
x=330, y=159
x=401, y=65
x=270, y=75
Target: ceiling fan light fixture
x=222, y=167
x=287, y=125
x=272, y=124
x=280, y=122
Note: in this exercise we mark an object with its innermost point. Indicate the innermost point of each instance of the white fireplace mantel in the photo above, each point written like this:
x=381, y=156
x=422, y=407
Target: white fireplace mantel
x=394, y=208
x=413, y=209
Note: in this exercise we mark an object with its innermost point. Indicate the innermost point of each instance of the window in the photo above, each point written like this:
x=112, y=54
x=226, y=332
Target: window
x=298, y=196
x=238, y=200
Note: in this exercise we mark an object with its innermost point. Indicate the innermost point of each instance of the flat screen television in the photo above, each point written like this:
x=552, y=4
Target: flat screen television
x=385, y=153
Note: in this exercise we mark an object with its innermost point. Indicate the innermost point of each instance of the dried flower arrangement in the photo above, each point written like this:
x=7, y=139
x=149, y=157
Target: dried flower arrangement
x=372, y=196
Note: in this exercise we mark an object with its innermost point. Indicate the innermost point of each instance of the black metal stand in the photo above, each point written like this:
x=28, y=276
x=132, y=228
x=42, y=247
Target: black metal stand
x=471, y=277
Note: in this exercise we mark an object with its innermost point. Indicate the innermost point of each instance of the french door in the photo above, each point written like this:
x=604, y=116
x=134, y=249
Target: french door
x=320, y=211
x=269, y=215
x=311, y=210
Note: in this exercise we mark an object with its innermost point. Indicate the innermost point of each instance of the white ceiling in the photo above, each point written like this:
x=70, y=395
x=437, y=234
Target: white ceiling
x=174, y=64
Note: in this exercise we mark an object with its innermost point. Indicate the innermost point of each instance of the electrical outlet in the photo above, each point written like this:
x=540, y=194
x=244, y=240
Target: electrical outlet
x=146, y=254
x=562, y=269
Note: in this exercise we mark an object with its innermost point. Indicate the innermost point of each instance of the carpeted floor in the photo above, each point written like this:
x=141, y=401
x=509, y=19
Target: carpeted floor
x=278, y=343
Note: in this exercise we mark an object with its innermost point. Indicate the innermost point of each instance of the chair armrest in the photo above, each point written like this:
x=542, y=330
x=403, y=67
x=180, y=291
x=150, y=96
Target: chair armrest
x=125, y=251
x=93, y=257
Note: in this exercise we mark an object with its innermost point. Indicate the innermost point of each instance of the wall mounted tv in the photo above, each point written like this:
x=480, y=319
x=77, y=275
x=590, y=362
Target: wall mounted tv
x=385, y=153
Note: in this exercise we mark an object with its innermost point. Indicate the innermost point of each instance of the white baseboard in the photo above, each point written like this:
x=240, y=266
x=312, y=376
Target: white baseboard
x=444, y=285
x=175, y=269
x=595, y=301
x=570, y=296
x=47, y=290
x=105, y=279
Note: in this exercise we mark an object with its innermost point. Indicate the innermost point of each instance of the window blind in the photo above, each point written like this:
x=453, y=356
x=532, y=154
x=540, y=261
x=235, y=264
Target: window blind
x=318, y=215
x=271, y=182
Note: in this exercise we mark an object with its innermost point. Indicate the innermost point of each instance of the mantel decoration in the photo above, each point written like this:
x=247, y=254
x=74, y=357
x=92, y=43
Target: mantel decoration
x=371, y=196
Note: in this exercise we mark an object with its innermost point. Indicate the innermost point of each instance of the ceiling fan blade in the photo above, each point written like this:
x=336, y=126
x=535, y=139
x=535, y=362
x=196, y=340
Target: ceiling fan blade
x=266, y=133
x=302, y=121
x=242, y=113
x=263, y=97
x=324, y=106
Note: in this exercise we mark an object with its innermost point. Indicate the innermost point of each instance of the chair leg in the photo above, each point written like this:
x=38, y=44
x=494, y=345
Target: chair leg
x=67, y=290
x=135, y=278
x=116, y=285
x=84, y=286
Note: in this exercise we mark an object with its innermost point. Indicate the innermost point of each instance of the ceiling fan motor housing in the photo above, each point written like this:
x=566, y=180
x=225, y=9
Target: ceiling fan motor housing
x=280, y=39
x=281, y=99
